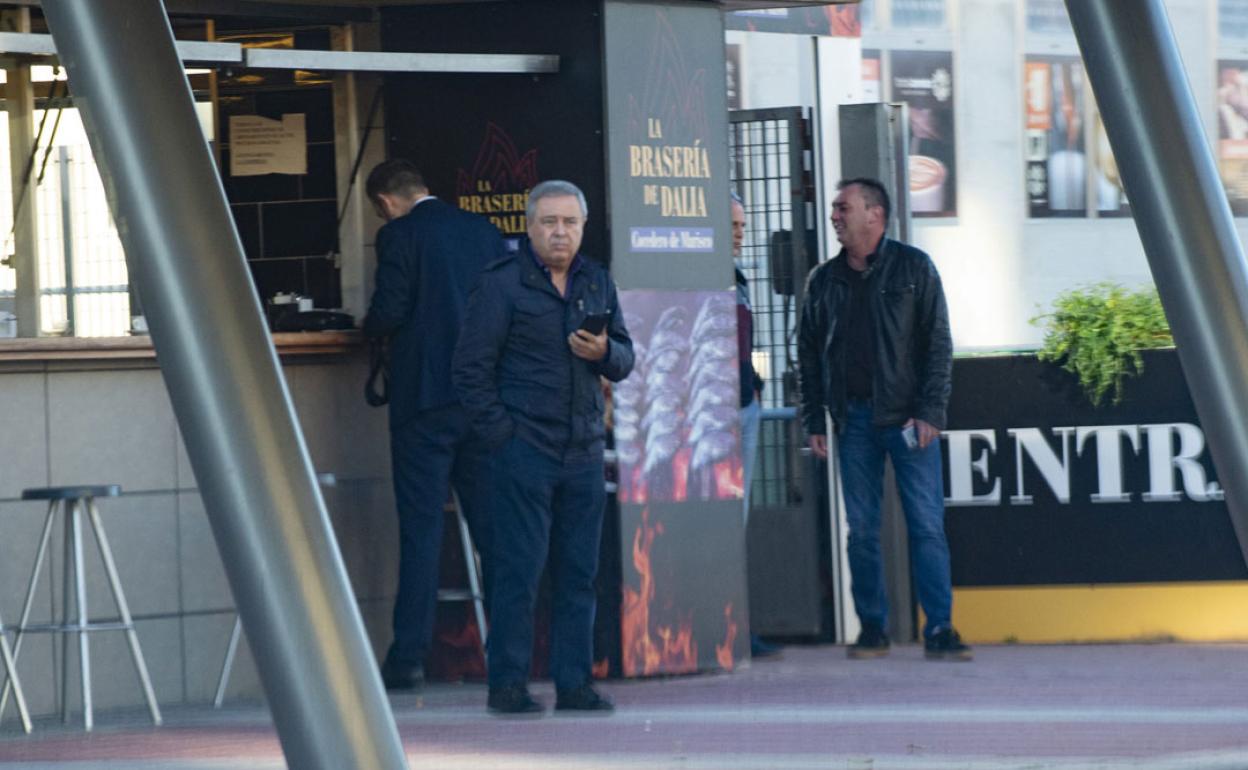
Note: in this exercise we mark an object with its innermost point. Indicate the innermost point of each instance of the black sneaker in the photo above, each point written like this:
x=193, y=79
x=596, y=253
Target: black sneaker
x=583, y=698
x=513, y=700
x=945, y=644
x=872, y=643
x=403, y=677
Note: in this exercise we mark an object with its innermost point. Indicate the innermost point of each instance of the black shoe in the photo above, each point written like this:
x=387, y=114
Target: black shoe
x=583, y=698
x=945, y=644
x=402, y=676
x=761, y=649
x=872, y=643
x=513, y=700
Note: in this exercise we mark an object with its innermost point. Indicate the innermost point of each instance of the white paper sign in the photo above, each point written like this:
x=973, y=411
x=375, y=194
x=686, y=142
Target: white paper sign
x=263, y=146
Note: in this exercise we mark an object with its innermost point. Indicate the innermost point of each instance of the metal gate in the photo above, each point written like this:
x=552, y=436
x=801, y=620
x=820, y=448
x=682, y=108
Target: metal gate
x=772, y=170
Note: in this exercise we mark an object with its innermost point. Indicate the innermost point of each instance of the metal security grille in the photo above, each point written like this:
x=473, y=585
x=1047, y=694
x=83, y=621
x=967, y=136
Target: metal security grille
x=771, y=162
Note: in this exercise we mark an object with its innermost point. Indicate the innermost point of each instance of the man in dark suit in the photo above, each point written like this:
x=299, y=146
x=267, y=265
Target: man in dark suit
x=429, y=254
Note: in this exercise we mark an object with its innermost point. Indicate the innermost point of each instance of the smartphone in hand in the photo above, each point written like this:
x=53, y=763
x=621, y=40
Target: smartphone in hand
x=910, y=436
x=594, y=323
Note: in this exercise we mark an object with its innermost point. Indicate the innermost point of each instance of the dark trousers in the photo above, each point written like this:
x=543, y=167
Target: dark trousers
x=431, y=453
x=541, y=505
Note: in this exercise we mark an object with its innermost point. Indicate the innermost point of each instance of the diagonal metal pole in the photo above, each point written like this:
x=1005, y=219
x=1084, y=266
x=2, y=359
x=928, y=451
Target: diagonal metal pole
x=226, y=387
x=1182, y=215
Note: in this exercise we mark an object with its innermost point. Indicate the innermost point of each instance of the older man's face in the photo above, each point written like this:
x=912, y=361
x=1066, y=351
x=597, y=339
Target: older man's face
x=738, y=228
x=556, y=229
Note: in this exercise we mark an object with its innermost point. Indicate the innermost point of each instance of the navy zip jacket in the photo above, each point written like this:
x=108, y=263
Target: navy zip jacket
x=427, y=261
x=514, y=370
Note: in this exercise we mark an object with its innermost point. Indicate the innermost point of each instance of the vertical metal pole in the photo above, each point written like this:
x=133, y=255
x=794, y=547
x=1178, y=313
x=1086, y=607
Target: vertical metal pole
x=225, y=384
x=19, y=98
x=1182, y=215
x=67, y=239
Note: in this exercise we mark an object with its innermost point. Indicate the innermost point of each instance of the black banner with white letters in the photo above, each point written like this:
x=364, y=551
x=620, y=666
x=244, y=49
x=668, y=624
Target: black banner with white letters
x=1042, y=488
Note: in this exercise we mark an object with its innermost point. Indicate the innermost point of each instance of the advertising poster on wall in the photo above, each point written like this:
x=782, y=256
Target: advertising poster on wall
x=1233, y=132
x=1062, y=169
x=1053, y=90
x=924, y=81
x=682, y=538
x=834, y=20
x=871, y=90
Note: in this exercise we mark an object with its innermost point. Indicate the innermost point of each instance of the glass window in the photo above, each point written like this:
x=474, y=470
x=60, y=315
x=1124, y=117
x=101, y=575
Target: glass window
x=1233, y=20
x=918, y=14
x=1048, y=17
x=866, y=13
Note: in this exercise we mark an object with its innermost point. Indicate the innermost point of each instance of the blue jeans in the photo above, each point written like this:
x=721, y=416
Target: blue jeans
x=429, y=454
x=541, y=505
x=862, y=447
x=750, y=419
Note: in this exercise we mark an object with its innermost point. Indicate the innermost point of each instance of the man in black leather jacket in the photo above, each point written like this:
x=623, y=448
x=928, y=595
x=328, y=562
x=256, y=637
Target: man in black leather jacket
x=875, y=353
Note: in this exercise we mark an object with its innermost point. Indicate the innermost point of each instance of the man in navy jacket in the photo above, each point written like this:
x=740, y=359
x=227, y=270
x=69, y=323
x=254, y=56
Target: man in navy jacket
x=530, y=377
x=429, y=255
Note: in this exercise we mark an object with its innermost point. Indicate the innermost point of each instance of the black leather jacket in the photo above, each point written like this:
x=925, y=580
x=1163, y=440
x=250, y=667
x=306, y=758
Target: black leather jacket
x=913, y=347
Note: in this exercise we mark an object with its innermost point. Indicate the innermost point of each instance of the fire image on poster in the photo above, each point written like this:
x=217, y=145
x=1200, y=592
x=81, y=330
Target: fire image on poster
x=677, y=416
x=1233, y=132
x=497, y=186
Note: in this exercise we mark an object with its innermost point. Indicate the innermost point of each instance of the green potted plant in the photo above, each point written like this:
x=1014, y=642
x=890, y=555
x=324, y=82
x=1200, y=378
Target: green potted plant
x=1096, y=332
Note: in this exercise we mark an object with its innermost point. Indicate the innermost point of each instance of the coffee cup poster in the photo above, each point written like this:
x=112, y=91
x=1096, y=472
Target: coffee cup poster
x=924, y=81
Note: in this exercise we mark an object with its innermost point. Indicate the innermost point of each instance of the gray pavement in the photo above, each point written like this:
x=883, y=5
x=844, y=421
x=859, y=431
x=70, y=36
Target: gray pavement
x=1143, y=707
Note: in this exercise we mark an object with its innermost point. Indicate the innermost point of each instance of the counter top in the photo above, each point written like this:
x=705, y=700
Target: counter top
x=140, y=347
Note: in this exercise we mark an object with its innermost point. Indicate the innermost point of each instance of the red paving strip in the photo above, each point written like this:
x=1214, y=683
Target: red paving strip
x=1166, y=706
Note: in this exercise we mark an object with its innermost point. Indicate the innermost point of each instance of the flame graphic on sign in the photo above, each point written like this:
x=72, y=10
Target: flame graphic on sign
x=674, y=651
x=500, y=164
x=674, y=92
x=723, y=652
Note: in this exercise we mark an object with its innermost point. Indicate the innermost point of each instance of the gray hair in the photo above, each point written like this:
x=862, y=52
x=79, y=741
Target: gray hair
x=555, y=188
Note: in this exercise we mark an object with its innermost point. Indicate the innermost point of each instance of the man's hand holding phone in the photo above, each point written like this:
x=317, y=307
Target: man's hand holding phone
x=590, y=340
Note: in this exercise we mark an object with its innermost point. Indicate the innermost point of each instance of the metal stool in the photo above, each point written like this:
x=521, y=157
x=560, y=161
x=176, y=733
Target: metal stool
x=74, y=501
x=472, y=562
x=10, y=670
x=473, y=593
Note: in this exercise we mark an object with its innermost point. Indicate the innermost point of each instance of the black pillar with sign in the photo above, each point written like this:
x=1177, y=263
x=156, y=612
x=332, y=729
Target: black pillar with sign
x=637, y=117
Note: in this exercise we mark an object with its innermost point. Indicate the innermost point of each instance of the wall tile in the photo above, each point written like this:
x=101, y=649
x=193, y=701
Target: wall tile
x=142, y=532
x=207, y=638
x=23, y=434
x=21, y=525
x=114, y=678
x=204, y=586
x=111, y=427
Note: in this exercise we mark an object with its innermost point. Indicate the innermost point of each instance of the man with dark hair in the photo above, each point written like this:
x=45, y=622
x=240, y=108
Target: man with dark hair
x=875, y=355
x=542, y=328
x=429, y=255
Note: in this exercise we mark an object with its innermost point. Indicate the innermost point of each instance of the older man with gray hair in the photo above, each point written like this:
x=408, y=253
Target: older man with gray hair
x=541, y=328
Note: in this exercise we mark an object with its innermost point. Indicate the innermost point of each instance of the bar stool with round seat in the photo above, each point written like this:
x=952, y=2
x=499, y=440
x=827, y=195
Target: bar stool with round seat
x=74, y=502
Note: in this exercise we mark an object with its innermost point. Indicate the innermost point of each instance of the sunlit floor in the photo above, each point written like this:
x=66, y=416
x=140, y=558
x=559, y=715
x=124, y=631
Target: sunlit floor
x=1161, y=707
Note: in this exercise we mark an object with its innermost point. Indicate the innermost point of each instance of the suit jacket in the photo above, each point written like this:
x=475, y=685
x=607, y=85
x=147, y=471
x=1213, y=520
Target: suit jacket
x=427, y=261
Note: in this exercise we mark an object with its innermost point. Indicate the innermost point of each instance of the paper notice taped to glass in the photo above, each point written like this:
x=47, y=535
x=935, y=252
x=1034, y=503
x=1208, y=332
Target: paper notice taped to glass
x=261, y=145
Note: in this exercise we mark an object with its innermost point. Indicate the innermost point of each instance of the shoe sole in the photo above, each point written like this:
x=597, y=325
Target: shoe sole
x=949, y=656
x=517, y=714
x=853, y=654
x=566, y=712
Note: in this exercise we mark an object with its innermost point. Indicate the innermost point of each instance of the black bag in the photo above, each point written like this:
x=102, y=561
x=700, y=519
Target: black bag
x=378, y=373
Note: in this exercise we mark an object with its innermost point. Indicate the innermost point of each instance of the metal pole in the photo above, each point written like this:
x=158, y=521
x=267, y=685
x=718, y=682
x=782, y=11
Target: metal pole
x=1182, y=215
x=225, y=384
